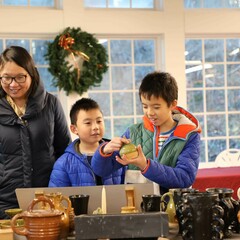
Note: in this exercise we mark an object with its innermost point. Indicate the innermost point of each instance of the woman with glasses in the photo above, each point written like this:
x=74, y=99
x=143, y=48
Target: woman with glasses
x=33, y=128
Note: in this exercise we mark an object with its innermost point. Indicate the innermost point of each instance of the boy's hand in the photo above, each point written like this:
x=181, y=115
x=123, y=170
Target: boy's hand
x=115, y=144
x=139, y=161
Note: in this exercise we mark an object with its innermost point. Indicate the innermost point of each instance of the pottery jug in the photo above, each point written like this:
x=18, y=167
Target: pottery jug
x=58, y=200
x=39, y=223
x=177, y=197
x=168, y=206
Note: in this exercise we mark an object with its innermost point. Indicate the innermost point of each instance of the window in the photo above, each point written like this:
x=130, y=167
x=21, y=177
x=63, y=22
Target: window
x=212, y=3
x=37, y=48
x=213, y=92
x=33, y=3
x=129, y=61
x=143, y=4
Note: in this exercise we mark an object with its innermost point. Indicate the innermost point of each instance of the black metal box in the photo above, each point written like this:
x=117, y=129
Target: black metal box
x=126, y=226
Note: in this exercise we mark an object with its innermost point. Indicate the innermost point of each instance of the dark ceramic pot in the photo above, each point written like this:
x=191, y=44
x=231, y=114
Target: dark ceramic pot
x=202, y=216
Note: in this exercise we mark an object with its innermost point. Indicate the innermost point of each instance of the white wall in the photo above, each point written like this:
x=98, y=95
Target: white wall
x=174, y=23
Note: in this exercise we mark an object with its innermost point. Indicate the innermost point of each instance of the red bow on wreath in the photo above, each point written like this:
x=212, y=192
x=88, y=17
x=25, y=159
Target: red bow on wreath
x=66, y=42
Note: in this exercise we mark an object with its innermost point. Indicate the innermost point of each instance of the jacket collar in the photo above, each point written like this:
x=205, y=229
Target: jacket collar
x=187, y=123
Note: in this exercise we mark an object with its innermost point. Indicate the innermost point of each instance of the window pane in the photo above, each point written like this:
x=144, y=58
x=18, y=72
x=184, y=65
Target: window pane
x=41, y=3
x=233, y=49
x=202, y=151
x=139, y=109
x=122, y=78
x=215, y=100
x=214, y=50
x=18, y=42
x=215, y=125
x=108, y=128
x=103, y=99
x=15, y=2
x=234, y=126
x=213, y=4
x=95, y=3
x=193, y=51
x=214, y=148
x=233, y=75
x=39, y=49
x=195, y=101
x=215, y=76
x=140, y=73
x=121, y=125
x=123, y=104
x=121, y=51
x=234, y=100
x=234, y=143
x=144, y=51
x=46, y=77
x=194, y=76
x=142, y=3
x=119, y=4
x=104, y=85
x=201, y=122
x=192, y=4
x=232, y=3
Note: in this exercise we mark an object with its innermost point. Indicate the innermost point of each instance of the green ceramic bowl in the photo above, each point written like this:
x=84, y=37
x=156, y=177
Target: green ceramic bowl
x=5, y=224
x=13, y=211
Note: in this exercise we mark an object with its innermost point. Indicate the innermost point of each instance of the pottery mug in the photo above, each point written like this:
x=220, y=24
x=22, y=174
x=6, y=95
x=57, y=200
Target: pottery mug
x=151, y=203
x=225, y=201
x=40, y=223
x=79, y=203
x=177, y=197
x=202, y=216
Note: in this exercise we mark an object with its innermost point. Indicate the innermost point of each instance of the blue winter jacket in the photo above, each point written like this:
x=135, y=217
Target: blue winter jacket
x=182, y=148
x=73, y=169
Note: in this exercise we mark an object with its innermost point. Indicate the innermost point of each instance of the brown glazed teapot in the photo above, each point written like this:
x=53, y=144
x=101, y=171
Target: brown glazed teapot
x=40, y=223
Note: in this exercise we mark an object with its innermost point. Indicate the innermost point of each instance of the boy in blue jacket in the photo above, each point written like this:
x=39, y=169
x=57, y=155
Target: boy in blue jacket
x=167, y=140
x=73, y=168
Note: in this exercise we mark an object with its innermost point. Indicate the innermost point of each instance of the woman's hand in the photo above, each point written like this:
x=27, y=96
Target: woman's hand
x=140, y=161
x=115, y=144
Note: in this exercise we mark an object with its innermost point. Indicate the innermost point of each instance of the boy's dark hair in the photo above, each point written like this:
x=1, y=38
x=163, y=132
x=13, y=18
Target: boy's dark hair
x=159, y=84
x=82, y=104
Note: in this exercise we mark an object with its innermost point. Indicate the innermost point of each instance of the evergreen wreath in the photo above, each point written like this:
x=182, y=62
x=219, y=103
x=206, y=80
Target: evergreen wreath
x=78, y=46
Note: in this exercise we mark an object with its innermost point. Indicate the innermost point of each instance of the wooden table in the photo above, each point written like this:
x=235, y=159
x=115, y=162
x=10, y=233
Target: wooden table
x=220, y=177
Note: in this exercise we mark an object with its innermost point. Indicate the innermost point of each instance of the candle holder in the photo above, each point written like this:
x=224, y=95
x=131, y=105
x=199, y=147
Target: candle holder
x=130, y=200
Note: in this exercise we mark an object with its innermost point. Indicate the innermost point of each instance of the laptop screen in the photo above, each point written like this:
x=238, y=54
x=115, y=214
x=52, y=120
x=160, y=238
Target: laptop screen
x=115, y=195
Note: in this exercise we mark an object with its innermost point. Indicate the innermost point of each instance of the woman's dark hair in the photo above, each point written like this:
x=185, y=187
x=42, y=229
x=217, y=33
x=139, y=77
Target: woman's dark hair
x=159, y=84
x=22, y=58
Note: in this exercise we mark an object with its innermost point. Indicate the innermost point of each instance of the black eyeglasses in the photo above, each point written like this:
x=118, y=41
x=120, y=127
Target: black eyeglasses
x=8, y=80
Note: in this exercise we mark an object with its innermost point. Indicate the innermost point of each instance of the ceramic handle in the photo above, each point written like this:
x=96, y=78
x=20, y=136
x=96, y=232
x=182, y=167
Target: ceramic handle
x=20, y=231
x=217, y=211
x=164, y=203
x=69, y=204
x=41, y=199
